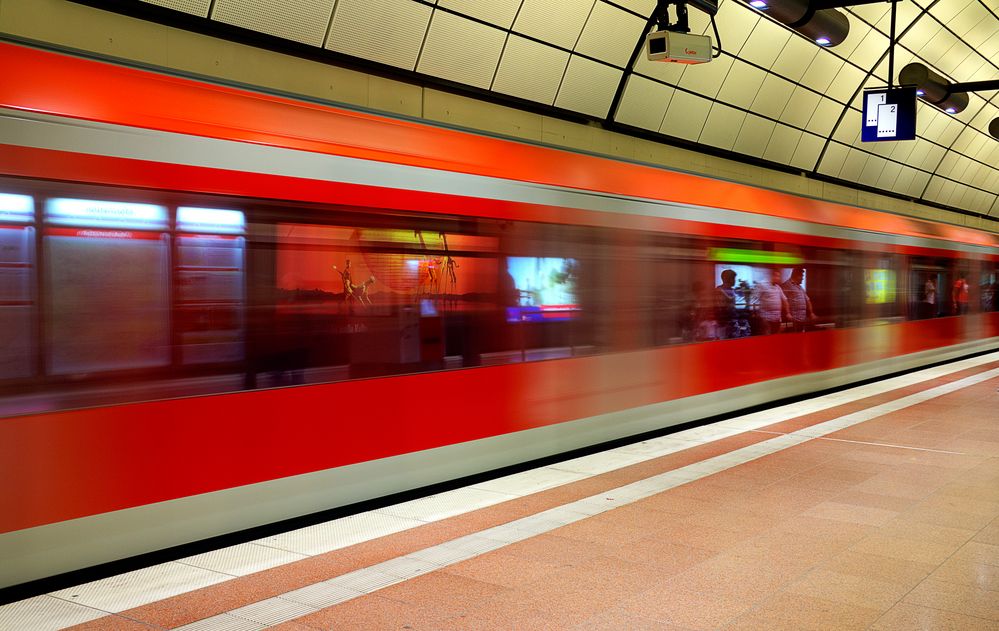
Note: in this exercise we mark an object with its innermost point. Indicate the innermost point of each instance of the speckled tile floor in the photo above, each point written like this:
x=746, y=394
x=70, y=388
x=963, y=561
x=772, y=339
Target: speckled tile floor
x=888, y=521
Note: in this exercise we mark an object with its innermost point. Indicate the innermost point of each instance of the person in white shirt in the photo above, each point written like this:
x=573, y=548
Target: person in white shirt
x=772, y=303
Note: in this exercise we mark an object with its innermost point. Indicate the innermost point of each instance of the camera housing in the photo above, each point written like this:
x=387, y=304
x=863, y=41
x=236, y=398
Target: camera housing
x=681, y=48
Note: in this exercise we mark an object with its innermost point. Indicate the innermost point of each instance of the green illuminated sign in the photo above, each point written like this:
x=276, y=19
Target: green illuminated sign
x=735, y=255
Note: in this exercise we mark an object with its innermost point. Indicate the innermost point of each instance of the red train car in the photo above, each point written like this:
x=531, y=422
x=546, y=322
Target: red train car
x=224, y=308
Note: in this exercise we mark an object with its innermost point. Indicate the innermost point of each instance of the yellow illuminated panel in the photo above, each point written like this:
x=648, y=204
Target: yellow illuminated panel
x=880, y=286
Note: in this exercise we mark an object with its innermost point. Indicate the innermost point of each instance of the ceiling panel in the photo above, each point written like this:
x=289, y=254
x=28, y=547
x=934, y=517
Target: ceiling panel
x=644, y=103
x=530, y=70
x=642, y=7
x=735, y=23
x=806, y=155
x=794, y=60
x=707, y=81
x=445, y=52
x=783, y=142
x=557, y=22
x=302, y=21
x=194, y=7
x=772, y=93
x=606, y=30
x=498, y=12
x=772, y=97
x=764, y=44
x=742, y=84
x=889, y=175
x=822, y=71
x=361, y=28
x=754, y=136
x=588, y=87
x=722, y=126
x=800, y=107
x=825, y=117
x=685, y=116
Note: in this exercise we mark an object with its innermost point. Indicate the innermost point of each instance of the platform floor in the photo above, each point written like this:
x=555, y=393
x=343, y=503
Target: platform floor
x=875, y=507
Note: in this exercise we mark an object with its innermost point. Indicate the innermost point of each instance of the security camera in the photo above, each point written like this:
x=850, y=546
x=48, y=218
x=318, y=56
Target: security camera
x=681, y=48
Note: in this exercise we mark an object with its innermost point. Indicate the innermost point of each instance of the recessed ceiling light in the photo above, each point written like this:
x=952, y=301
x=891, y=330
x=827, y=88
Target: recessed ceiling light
x=822, y=40
x=758, y=4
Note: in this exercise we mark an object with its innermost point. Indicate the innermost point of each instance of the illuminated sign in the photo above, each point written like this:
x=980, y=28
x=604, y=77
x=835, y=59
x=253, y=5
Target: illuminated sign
x=879, y=286
x=19, y=208
x=889, y=114
x=736, y=255
x=102, y=214
x=210, y=220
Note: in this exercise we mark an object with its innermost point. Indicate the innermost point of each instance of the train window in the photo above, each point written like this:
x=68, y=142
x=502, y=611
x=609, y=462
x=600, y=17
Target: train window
x=358, y=301
x=17, y=286
x=989, y=287
x=107, y=286
x=210, y=284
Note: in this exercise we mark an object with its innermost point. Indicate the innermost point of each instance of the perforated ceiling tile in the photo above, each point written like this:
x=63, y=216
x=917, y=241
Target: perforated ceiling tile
x=794, y=60
x=869, y=50
x=783, y=142
x=194, y=7
x=707, y=79
x=821, y=72
x=741, y=85
x=588, y=87
x=610, y=34
x=754, y=137
x=906, y=12
x=445, y=53
x=946, y=10
x=848, y=129
x=722, y=126
x=735, y=22
x=871, y=171
x=854, y=164
x=957, y=56
x=904, y=182
x=644, y=103
x=934, y=154
x=825, y=117
x=772, y=97
x=846, y=84
x=765, y=43
x=362, y=27
x=685, y=116
x=498, y=12
x=922, y=31
x=557, y=22
x=800, y=107
x=643, y=7
x=530, y=70
x=302, y=21
x=807, y=152
x=889, y=175
x=833, y=159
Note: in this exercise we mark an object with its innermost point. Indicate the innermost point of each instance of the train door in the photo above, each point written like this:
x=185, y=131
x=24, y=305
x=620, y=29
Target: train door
x=107, y=285
x=17, y=286
x=211, y=285
x=927, y=287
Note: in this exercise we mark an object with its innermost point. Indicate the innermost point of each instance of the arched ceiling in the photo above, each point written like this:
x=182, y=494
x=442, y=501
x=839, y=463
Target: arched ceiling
x=772, y=94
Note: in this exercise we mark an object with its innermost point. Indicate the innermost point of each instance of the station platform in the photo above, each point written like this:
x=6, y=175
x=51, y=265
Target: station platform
x=875, y=507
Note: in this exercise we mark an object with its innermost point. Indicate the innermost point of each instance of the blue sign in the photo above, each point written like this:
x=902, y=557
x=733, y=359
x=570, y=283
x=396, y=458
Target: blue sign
x=889, y=114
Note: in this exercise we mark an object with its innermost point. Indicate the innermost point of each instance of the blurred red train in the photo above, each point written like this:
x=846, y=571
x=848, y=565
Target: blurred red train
x=222, y=308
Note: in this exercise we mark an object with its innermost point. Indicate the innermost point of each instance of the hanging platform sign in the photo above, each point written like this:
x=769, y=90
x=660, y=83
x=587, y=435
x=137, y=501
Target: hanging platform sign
x=889, y=114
